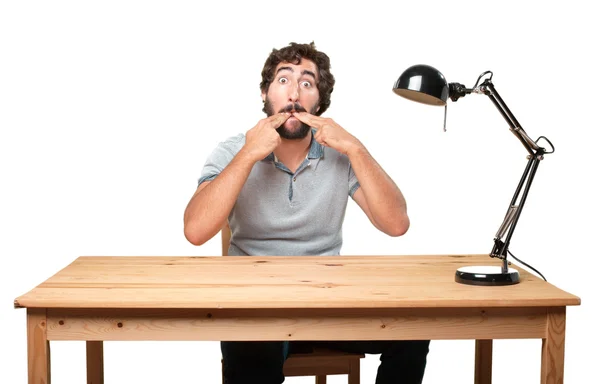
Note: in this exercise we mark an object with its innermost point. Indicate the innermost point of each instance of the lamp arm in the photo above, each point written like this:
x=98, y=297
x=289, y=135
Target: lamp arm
x=501, y=242
x=487, y=88
x=536, y=154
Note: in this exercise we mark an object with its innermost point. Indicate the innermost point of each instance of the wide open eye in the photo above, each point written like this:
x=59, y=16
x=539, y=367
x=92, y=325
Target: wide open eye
x=282, y=80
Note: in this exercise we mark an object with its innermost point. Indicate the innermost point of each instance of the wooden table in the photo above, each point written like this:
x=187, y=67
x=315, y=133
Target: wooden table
x=289, y=298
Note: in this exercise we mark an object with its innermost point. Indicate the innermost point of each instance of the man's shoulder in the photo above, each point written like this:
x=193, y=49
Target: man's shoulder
x=233, y=144
x=234, y=141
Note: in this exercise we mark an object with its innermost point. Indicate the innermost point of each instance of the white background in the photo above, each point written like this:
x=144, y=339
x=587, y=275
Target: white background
x=108, y=111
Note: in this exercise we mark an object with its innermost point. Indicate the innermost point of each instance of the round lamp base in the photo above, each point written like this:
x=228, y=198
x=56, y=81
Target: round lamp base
x=486, y=275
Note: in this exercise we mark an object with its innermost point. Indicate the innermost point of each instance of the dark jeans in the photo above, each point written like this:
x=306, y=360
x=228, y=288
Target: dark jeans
x=402, y=362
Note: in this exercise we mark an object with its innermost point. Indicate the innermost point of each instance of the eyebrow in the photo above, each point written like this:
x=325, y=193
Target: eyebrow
x=304, y=72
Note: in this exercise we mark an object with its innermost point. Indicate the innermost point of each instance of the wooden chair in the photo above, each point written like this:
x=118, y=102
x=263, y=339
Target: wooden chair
x=319, y=362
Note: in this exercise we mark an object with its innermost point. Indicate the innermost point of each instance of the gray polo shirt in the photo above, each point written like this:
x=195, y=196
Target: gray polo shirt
x=280, y=213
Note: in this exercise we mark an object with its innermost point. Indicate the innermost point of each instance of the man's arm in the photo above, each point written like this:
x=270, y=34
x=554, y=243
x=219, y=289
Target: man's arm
x=209, y=207
x=378, y=196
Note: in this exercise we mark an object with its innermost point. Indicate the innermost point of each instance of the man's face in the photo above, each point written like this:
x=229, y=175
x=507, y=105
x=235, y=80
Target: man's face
x=294, y=88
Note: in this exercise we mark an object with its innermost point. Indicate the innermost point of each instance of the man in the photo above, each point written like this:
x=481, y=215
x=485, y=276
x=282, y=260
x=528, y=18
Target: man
x=284, y=187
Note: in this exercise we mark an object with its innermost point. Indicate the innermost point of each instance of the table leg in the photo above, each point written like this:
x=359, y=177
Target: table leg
x=553, y=347
x=354, y=374
x=483, y=361
x=38, y=347
x=95, y=362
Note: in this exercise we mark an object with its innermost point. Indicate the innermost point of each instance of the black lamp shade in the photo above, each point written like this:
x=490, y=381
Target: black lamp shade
x=424, y=84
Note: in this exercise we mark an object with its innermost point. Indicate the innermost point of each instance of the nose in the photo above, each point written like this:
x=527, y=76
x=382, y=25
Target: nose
x=293, y=93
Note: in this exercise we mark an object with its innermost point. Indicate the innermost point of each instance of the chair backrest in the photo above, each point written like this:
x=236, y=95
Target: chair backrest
x=225, y=239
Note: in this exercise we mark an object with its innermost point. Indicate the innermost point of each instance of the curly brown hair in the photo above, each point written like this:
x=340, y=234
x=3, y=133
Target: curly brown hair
x=293, y=54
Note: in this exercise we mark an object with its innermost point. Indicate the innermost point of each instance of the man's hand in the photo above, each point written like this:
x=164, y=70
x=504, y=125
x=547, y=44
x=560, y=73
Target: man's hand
x=263, y=138
x=329, y=133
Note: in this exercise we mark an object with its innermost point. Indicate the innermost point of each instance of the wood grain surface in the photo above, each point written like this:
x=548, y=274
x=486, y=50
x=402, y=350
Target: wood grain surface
x=283, y=282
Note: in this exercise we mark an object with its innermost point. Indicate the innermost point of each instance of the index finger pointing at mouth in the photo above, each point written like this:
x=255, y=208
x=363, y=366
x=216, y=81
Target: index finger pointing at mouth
x=305, y=117
x=280, y=118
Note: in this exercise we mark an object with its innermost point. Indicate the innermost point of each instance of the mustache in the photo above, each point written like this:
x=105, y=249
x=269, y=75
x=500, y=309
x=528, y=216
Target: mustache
x=294, y=107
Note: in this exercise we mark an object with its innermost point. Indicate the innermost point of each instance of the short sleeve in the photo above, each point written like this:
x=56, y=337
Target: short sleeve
x=353, y=184
x=220, y=157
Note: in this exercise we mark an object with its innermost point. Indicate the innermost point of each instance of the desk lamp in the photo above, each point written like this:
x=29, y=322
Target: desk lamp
x=425, y=84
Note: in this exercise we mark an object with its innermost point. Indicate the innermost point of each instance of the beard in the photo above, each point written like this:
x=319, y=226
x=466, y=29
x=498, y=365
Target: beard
x=286, y=133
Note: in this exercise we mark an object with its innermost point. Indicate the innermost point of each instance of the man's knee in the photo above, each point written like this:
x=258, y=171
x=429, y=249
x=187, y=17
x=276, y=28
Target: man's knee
x=250, y=349
x=417, y=349
x=261, y=361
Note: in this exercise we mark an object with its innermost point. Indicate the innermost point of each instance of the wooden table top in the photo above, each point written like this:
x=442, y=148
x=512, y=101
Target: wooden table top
x=311, y=282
